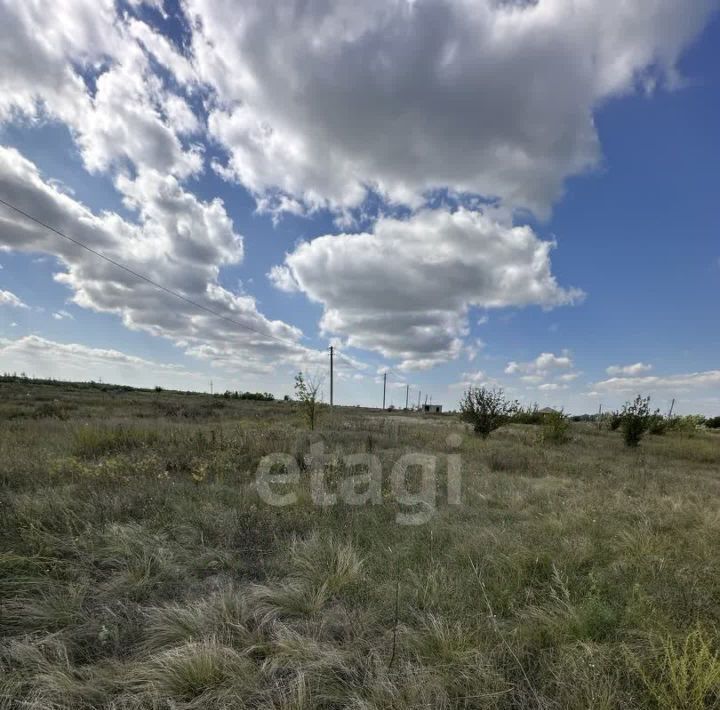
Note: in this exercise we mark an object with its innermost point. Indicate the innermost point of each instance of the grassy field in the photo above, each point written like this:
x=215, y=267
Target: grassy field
x=139, y=567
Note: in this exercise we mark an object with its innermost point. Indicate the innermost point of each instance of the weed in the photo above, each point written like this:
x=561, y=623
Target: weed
x=686, y=675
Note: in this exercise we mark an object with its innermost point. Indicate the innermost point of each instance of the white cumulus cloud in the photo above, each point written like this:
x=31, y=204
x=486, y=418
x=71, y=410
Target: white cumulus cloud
x=323, y=101
x=8, y=298
x=634, y=369
x=541, y=366
x=405, y=288
x=177, y=241
x=678, y=382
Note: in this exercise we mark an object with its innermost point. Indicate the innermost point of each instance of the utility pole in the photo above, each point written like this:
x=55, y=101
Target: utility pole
x=384, y=384
x=211, y=387
x=672, y=404
x=600, y=416
x=426, y=400
x=331, y=375
x=419, y=393
x=407, y=394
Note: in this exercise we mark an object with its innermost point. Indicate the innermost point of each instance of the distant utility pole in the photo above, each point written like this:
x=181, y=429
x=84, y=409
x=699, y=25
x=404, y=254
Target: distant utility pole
x=384, y=384
x=331, y=375
x=211, y=387
x=419, y=393
x=600, y=416
x=672, y=404
x=407, y=395
x=426, y=400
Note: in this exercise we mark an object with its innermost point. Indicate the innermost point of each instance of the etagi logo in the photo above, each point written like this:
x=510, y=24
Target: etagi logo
x=361, y=478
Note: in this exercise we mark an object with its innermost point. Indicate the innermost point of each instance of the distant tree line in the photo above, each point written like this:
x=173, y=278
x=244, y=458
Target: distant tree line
x=257, y=396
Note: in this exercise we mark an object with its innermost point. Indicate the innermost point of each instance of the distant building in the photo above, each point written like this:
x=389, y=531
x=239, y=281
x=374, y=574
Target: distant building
x=548, y=410
x=432, y=409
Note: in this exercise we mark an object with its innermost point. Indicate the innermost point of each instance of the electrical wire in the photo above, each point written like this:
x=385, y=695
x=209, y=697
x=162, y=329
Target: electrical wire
x=142, y=277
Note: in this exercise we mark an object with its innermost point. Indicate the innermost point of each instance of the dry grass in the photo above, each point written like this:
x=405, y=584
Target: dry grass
x=139, y=568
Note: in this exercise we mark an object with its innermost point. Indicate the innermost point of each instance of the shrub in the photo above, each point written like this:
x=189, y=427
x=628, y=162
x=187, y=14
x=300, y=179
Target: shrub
x=486, y=409
x=688, y=424
x=614, y=421
x=635, y=420
x=713, y=423
x=556, y=428
x=657, y=424
x=528, y=415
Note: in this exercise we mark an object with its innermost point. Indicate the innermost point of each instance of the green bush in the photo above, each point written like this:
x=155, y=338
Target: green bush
x=528, y=415
x=614, y=421
x=688, y=424
x=486, y=409
x=635, y=420
x=713, y=423
x=657, y=424
x=556, y=428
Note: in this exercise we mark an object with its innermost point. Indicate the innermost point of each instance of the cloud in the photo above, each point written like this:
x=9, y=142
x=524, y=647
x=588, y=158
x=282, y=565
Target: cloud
x=46, y=358
x=569, y=376
x=178, y=241
x=685, y=381
x=63, y=315
x=551, y=387
x=323, y=101
x=477, y=378
x=540, y=367
x=316, y=104
x=281, y=277
x=405, y=288
x=635, y=369
x=81, y=63
x=7, y=298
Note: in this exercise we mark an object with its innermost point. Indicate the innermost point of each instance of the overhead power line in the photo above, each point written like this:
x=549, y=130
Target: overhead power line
x=142, y=277
x=348, y=361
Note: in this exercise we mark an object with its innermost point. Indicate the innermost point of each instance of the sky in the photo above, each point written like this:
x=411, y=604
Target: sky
x=457, y=193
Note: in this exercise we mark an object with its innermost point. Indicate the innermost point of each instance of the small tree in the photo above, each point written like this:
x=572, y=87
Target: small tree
x=635, y=420
x=486, y=409
x=306, y=392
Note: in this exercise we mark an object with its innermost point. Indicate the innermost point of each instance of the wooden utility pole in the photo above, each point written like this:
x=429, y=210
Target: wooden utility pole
x=331, y=375
x=599, y=416
x=426, y=400
x=672, y=404
x=384, y=384
x=407, y=395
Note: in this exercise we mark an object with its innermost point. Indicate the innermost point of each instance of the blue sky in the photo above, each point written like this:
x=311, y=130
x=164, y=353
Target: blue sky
x=518, y=196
